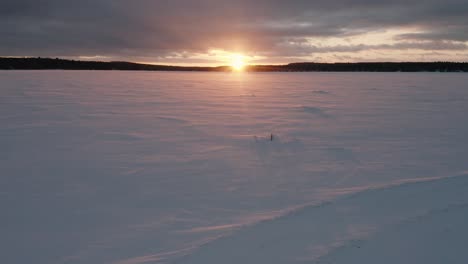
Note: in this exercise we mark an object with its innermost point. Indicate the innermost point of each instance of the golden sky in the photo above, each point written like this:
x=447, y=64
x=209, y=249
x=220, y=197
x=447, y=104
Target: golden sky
x=212, y=32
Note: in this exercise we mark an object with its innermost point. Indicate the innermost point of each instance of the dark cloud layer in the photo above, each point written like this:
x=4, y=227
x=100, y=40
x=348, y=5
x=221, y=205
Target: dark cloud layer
x=160, y=28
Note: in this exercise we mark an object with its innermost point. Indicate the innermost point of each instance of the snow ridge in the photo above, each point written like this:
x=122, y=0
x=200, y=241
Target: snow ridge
x=318, y=233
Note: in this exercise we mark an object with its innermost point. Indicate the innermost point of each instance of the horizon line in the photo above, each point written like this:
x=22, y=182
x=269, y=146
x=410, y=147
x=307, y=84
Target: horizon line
x=224, y=65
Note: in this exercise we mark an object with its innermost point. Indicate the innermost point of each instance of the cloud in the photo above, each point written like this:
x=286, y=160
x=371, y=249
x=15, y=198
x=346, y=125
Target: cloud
x=457, y=33
x=153, y=30
x=428, y=46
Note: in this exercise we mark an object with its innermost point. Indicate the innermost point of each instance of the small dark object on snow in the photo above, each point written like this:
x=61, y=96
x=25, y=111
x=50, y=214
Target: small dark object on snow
x=271, y=137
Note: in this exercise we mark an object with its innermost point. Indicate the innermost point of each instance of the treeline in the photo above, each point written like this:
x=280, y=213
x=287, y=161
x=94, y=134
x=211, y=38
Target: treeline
x=381, y=67
x=61, y=64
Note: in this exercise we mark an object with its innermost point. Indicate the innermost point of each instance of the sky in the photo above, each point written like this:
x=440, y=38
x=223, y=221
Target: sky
x=210, y=32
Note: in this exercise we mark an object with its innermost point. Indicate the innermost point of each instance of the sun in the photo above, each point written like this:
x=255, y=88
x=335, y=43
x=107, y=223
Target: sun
x=237, y=62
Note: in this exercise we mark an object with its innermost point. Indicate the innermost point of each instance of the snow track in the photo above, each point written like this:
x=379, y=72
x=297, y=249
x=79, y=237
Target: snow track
x=375, y=224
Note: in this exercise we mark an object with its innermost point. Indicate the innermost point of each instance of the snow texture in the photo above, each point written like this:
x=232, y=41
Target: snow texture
x=155, y=167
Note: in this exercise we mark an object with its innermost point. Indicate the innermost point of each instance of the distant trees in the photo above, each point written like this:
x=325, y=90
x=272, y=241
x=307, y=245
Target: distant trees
x=382, y=67
x=56, y=63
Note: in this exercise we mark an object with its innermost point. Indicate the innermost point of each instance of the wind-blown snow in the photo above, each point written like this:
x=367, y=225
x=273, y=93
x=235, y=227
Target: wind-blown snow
x=422, y=222
x=143, y=167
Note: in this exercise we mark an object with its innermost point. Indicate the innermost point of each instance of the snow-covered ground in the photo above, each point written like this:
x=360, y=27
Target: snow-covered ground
x=155, y=167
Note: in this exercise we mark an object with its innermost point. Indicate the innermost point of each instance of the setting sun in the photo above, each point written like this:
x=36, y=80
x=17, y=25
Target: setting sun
x=238, y=62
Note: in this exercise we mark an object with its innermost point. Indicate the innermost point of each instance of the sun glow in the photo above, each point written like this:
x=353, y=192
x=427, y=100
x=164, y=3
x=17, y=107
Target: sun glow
x=237, y=62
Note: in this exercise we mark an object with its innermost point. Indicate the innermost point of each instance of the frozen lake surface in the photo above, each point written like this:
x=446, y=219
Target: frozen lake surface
x=156, y=167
